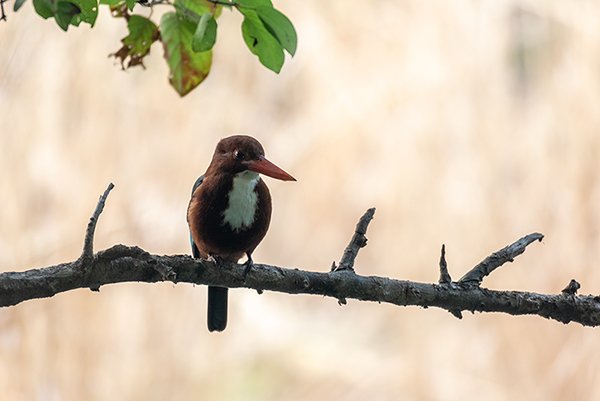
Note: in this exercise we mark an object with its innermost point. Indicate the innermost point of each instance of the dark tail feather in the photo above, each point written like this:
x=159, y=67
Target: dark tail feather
x=217, y=308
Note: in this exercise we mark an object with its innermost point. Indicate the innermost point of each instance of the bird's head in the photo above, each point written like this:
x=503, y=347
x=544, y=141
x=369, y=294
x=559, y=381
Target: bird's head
x=239, y=153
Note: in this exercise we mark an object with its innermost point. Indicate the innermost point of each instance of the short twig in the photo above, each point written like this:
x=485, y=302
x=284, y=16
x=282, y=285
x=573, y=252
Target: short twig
x=446, y=279
x=497, y=259
x=571, y=288
x=358, y=241
x=3, y=14
x=444, y=275
x=88, y=243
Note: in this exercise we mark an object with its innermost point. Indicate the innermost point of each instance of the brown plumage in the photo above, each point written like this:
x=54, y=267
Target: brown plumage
x=230, y=210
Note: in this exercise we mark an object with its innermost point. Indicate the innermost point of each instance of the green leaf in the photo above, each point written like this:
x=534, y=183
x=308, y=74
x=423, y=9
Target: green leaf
x=187, y=68
x=89, y=12
x=65, y=12
x=201, y=28
x=254, y=3
x=206, y=33
x=260, y=41
x=142, y=33
x=119, y=9
x=68, y=12
x=18, y=4
x=45, y=8
x=112, y=3
x=280, y=27
x=130, y=4
x=194, y=9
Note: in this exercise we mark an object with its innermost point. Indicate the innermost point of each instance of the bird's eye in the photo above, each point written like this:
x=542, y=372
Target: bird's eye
x=238, y=154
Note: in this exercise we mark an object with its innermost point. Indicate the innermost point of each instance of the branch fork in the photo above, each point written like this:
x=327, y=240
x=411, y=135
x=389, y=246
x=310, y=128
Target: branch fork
x=126, y=264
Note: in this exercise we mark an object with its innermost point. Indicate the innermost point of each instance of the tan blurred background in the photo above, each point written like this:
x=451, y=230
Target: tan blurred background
x=469, y=123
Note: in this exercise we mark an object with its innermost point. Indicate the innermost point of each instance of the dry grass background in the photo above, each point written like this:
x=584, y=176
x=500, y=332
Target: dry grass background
x=468, y=123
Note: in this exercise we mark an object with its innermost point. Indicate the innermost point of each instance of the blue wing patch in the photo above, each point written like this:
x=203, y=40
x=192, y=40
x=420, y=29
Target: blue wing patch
x=195, y=252
x=197, y=183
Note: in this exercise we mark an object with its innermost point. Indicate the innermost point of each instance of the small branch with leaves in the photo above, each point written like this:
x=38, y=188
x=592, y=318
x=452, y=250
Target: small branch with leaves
x=188, y=32
x=129, y=264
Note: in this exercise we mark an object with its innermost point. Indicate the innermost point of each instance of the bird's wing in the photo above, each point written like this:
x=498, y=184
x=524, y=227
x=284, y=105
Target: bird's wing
x=195, y=251
x=197, y=183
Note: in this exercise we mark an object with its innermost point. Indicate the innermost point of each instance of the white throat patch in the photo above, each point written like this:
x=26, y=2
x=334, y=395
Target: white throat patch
x=242, y=201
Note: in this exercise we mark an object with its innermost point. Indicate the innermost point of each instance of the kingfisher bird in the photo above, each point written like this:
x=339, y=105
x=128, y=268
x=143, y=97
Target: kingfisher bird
x=230, y=211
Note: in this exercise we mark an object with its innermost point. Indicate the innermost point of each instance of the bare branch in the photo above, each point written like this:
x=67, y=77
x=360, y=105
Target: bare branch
x=2, y=13
x=88, y=243
x=132, y=264
x=497, y=259
x=444, y=275
x=571, y=288
x=359, y=240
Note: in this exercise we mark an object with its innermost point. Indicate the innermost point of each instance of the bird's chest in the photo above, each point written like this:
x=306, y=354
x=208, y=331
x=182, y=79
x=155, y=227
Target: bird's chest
x=229, y=217
x=241, y=202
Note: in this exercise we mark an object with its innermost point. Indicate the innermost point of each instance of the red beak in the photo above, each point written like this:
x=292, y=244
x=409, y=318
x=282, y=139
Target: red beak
x=263, y=166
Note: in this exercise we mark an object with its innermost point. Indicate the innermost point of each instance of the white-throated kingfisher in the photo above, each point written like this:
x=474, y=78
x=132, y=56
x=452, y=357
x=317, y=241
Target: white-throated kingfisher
x=230, y=211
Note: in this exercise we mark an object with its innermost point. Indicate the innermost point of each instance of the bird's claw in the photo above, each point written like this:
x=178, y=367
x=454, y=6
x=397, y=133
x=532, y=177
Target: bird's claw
x=214, y=259
x=248, y=266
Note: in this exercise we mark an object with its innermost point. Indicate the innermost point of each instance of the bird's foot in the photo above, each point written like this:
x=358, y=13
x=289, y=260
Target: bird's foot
x=214, y=259
x=247, y=266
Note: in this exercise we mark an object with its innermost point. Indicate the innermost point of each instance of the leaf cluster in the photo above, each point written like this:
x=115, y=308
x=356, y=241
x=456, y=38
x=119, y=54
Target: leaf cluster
x=188, y=32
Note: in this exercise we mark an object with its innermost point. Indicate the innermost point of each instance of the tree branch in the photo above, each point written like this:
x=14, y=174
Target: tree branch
x=507, y=254
x=444, y=275
x=130, y=264
x=359, y=240
x=88, y=243
x=2, y=13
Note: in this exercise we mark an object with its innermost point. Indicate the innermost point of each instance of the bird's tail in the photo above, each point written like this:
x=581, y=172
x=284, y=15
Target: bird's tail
x=217, y=308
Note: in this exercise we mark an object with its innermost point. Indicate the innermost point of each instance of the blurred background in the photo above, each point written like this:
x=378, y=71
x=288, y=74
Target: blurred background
x=469, y=123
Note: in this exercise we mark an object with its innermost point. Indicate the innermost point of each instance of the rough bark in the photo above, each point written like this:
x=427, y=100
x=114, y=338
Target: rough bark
x=130, y=264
